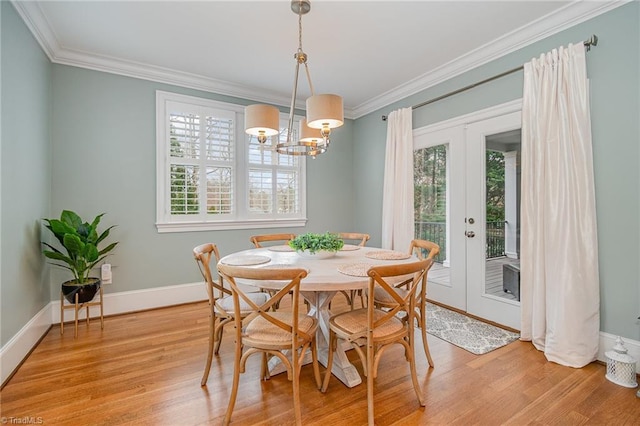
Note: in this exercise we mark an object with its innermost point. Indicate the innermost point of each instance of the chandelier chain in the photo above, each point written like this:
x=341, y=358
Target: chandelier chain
x=300, y=29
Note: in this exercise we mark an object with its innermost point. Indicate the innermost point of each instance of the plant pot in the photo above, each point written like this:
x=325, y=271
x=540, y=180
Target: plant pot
x=322, y=254
x=86, y=291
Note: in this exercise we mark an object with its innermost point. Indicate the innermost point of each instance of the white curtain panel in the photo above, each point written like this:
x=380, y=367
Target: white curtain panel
x=397, y=198
x=560, y=296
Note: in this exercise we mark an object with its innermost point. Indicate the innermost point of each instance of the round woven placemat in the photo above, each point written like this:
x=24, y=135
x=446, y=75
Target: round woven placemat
x=280, y=248
x=349, y=247
x=354, y=269
x=387, y=255
x=246, y=260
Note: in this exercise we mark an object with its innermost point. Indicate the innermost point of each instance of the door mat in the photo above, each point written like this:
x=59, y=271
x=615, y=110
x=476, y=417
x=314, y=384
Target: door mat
x=467, y=333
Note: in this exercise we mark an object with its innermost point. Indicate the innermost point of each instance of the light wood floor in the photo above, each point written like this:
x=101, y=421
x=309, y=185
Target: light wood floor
x=145, y=368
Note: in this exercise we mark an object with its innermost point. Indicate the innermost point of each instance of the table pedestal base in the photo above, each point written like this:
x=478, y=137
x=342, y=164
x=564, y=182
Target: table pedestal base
x=342, y=368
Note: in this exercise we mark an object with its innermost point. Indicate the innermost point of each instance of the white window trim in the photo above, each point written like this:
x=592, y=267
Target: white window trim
x=242, y=220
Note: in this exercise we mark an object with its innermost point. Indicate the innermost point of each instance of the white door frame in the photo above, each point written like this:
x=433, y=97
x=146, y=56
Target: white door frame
x=498, y=309
x=453, y=132
x=452, y=291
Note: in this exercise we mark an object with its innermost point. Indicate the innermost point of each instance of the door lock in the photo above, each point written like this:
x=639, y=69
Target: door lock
x=470, y=234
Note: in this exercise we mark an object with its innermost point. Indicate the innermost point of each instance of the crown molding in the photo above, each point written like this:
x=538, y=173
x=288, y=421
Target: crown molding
x=168, y=76
x=570, y=15
x=34, y=19
x=555, y=22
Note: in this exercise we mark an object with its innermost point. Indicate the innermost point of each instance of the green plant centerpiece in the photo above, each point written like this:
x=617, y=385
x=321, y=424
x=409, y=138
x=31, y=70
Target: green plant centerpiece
x=80, y=242
x=317, y=245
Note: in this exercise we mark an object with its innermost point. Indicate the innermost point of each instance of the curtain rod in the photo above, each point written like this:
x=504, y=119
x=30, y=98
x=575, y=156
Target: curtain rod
x=592, y=41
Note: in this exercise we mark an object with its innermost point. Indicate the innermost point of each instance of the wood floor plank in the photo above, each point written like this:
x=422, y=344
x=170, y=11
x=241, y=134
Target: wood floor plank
x=145, y=368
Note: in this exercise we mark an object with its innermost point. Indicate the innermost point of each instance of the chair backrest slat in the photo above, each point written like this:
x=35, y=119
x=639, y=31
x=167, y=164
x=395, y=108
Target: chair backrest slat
x=290, y=277
x=418, y=247
x=381, y=276
x=259, y=240
x=203, y=255
x=358, y=238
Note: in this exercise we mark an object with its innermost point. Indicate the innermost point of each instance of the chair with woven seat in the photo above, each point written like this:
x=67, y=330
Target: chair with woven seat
x=271, y=332
x=359, y=240
x=423, y=249
x=377, y=329
x=220, y=301
x=268, y=240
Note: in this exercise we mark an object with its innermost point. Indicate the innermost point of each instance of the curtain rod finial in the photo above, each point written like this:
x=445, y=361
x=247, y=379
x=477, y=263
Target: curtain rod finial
x=384, y=118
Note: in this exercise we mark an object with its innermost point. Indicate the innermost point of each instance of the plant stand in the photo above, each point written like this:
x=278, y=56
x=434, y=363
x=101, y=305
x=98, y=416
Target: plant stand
x=77, y=306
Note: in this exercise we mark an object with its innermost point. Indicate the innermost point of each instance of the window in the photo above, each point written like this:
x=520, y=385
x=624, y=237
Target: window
x=211, y=175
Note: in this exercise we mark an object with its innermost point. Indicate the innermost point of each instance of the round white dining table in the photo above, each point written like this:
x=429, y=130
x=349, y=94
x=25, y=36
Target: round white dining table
x=326, y=277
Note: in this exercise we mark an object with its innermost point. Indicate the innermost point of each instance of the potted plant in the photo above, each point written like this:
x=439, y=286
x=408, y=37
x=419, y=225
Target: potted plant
x=317, y=245
x=80, y=241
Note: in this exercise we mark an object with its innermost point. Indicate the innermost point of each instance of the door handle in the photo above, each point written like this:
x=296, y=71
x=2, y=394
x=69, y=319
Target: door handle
x=470, y=234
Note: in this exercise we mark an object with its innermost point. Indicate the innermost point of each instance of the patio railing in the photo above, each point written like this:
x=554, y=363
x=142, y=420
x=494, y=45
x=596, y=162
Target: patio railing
x=436, y=232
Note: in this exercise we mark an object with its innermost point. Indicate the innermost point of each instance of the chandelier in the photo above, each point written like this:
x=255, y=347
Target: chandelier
x=323, y=111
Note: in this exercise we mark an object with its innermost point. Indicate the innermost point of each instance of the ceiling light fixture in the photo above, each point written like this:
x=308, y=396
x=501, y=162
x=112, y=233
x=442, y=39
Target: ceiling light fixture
x=324, y=111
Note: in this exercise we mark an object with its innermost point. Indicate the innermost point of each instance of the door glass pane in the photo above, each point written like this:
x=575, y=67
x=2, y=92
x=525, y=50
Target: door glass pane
x=430, y=205
x=502, y=201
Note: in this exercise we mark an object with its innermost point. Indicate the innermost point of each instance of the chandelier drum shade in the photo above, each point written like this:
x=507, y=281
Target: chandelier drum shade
x=262, y=121
x=324, y=111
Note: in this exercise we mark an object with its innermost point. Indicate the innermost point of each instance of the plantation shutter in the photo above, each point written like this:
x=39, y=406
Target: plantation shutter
x=273, y=180
x=201, y=163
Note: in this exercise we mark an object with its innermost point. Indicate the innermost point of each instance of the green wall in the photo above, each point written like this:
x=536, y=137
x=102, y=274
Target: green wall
x=613, y=70
x=104, y=160
x=25, y=173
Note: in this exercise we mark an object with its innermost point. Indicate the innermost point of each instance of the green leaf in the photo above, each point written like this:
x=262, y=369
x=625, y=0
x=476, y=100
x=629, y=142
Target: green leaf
x=71, y=219
x=96, y=221
x=108, y=248
x=90, y=252
x=60, y=228
x=105, y=234
x=58, y=256
x=73, y=244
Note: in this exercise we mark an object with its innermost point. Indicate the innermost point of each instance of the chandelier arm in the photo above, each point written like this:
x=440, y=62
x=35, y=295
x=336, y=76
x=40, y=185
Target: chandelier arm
x=306, y=68
x=293, y=103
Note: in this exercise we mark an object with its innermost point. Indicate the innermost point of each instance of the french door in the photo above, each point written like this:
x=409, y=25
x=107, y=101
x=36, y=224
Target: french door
x=466, y=174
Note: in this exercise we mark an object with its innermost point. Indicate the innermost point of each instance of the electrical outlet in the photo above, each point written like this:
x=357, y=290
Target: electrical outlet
x=105, y=272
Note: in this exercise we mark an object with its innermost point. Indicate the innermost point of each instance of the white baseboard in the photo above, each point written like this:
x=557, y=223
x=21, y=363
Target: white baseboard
x=607, y=341
x=14, y=352
x=137, y=300
x=16, y=349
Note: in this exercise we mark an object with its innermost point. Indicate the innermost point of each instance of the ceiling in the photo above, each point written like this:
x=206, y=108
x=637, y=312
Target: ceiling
x=370, y=52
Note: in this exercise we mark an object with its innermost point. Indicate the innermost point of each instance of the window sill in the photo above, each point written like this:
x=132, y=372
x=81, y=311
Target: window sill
x=228, y=225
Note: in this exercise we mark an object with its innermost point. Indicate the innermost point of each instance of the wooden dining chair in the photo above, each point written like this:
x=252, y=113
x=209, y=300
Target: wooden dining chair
x=270, y=239
x=220, y=301
x=359, y=240
x=266, y=240
x=271, y=333
x=423, y=249
x=378, y=328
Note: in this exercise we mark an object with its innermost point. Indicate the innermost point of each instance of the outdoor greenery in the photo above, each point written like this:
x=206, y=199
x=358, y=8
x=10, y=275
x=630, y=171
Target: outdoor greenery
x=495, y=186
x=80, y=241
x=317, y=242
x=430, y=184
x=430, y=194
